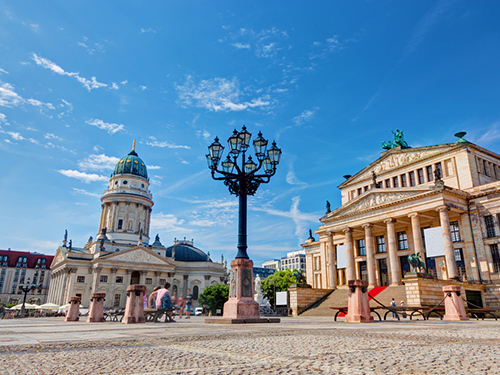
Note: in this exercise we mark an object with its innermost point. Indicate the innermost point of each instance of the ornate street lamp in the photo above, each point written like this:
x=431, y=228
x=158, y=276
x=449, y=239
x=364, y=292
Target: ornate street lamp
x=243, y=176
x=26, y=289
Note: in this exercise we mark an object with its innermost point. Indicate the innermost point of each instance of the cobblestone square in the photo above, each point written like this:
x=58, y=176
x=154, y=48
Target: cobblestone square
x=310, y=345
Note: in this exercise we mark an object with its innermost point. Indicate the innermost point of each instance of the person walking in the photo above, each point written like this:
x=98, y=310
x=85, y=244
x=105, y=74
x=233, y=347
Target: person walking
x=393, y=304
x=189, y=304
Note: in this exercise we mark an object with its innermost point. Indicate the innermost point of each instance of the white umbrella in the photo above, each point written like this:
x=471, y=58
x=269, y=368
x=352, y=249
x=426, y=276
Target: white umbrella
x=66, y=306
x=27, y=306
x=49, y=306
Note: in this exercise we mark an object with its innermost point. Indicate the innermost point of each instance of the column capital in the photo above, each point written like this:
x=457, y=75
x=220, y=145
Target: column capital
x=442, y=208
x=367, y=225
x=390, y=221
x=97, y=269
x=114, y=270
x=129, y=271
x=347, y=230
x=72, y=270
x=157, y=273
x=207, y=277
x=413, y=214
x=144, y=272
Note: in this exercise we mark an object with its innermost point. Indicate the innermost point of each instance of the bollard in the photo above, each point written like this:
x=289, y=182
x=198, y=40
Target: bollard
x=73, y=313
x=134, y=309
x=358, y=310
x=96, y=311
x=454, y=305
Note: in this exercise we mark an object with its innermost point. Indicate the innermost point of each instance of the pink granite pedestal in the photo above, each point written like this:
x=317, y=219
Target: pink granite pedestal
x=241, y=306
x=134, y=309
x=358, y=310
x=454, y=304
x=96, y=311
x=73, y=313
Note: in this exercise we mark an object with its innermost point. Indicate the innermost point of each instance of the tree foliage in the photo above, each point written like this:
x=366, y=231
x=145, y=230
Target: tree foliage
x=277, y=282
x=214, y=296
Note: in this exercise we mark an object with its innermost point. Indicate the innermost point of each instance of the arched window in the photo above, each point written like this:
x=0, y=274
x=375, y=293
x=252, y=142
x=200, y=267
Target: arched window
x=196, y=291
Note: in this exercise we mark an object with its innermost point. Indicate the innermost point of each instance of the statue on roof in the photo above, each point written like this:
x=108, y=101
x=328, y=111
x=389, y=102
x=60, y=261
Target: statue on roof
x=157, y=238
x=70, y=245
x=328, y=207
x=399, y=141
x=376, y=185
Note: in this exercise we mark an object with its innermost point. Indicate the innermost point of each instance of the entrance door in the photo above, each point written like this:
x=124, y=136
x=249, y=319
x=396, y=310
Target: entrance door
x=363, y=271
x=384, y=277
x=135, y=278
x=405, y=265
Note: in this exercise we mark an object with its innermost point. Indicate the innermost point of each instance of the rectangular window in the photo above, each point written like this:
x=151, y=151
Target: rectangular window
x=403, y=180
x=402, y=241
x=361, y=247
x=496, y=257
x=455, y=231
x=149, y=280
x=388, y=183
x=430, y=175
x=395, y=182
x=380, y=244
x=80, y=279
x=119, y=279
x=365, y=188
x=360, y=191
x=162, y=281
x=486, y=169
x=420, y=173
x=120, y=224
x=490, y=226
x=104, y=279
x=405, y=265
x=116, y=302
x=412, y=178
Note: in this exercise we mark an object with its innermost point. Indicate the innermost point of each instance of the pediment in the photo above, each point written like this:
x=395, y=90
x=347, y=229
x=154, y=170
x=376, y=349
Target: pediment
x=58, y=258
x=396, y=159
x=372, y=199
x=138, y=255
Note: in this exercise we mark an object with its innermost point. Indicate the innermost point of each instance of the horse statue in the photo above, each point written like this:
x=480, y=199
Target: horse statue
x=416, y=263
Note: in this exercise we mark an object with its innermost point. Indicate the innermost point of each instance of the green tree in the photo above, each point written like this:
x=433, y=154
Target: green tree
x=214, y=296
x=277, y=282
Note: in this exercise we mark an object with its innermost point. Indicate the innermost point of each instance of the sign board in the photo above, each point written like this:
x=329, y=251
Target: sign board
x=281, y=299
x=434, y=244
x=341, y=257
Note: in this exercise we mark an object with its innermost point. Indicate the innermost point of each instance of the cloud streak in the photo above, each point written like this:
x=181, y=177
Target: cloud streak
x=85, y=177
x=89, y=84
x=9, y=98
x=162, y=144
x=109, y=127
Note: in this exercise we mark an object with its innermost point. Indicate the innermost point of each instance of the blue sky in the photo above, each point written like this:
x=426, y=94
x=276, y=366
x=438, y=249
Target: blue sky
x=328, y=80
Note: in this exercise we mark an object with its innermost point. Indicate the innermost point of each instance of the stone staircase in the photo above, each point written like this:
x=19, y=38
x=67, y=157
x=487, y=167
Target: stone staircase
x=339, y=297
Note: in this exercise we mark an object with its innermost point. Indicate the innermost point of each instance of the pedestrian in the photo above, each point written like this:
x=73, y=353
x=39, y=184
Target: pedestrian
x=203, y=310
x=393, y=304
x=174, y=301
x=145, y=299
x=189, y=304
x=152, y=302
x=403, y=305
x=158, y=296
x=180, y=305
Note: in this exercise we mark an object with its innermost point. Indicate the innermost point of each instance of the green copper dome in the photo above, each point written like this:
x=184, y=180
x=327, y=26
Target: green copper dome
x=131, y=164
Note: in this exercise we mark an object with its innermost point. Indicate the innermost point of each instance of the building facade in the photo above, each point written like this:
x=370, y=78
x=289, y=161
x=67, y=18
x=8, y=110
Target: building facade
x=20, y=269
x=442, y=202
x=294, y=260
x=274, y=264
x=121, y=255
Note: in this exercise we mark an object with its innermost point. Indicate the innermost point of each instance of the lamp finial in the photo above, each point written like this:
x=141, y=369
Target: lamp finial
x=133, y=145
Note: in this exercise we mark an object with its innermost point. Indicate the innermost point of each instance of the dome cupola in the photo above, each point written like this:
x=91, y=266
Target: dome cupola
x=131, y=164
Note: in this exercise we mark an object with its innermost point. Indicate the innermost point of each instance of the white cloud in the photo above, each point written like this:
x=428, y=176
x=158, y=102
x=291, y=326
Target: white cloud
x=109, y=127
x=15, y=135
x=3, y=119
x=265, y=43
x=85, y=177
x=114, y=86
x=124, y=82
x=35, y=27
x=203, y=133
x=490, y=134
x=148, y=30
x=9, y=98
x=304, y=117
x=217, y=94
x=153, y=167
x=167, y=222
x=143, y=87
x=85, y=192
x=154, y=143
x=52, y=136
x=241, y=46
x=68, y=106
x=47, y=64
x=98, y=162
x=3, y=71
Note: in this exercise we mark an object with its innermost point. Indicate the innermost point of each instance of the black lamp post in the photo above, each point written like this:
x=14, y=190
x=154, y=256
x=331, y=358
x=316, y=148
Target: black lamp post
x=26, y=289
x=243, y=179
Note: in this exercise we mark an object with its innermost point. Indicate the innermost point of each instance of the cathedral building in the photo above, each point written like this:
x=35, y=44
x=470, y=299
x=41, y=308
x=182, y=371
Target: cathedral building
x=121, y=255
x=437, y=207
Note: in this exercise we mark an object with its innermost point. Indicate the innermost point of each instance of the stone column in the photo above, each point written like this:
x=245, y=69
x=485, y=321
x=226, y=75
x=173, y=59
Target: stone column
x=157, y=279
x=96, y=278
x=71, y=284
x=111, y=297
x=207, y=281
x=449, y=252
x=184, y=286
x=323, y=260
x=143, y=277
x=393, y=252
x=418, y=242
x=103, y=217
x=64, y=276
x=332, y=263
x=350, y=271
x=129, y=276
x=370, y=255
x=340, y=277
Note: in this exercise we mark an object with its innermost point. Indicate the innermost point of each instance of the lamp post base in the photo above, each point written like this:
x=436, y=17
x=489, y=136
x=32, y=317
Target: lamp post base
x=241, y=303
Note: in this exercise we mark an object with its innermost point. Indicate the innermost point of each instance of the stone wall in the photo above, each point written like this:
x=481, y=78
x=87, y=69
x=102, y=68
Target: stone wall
x=424, y=291
x=303, y=296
